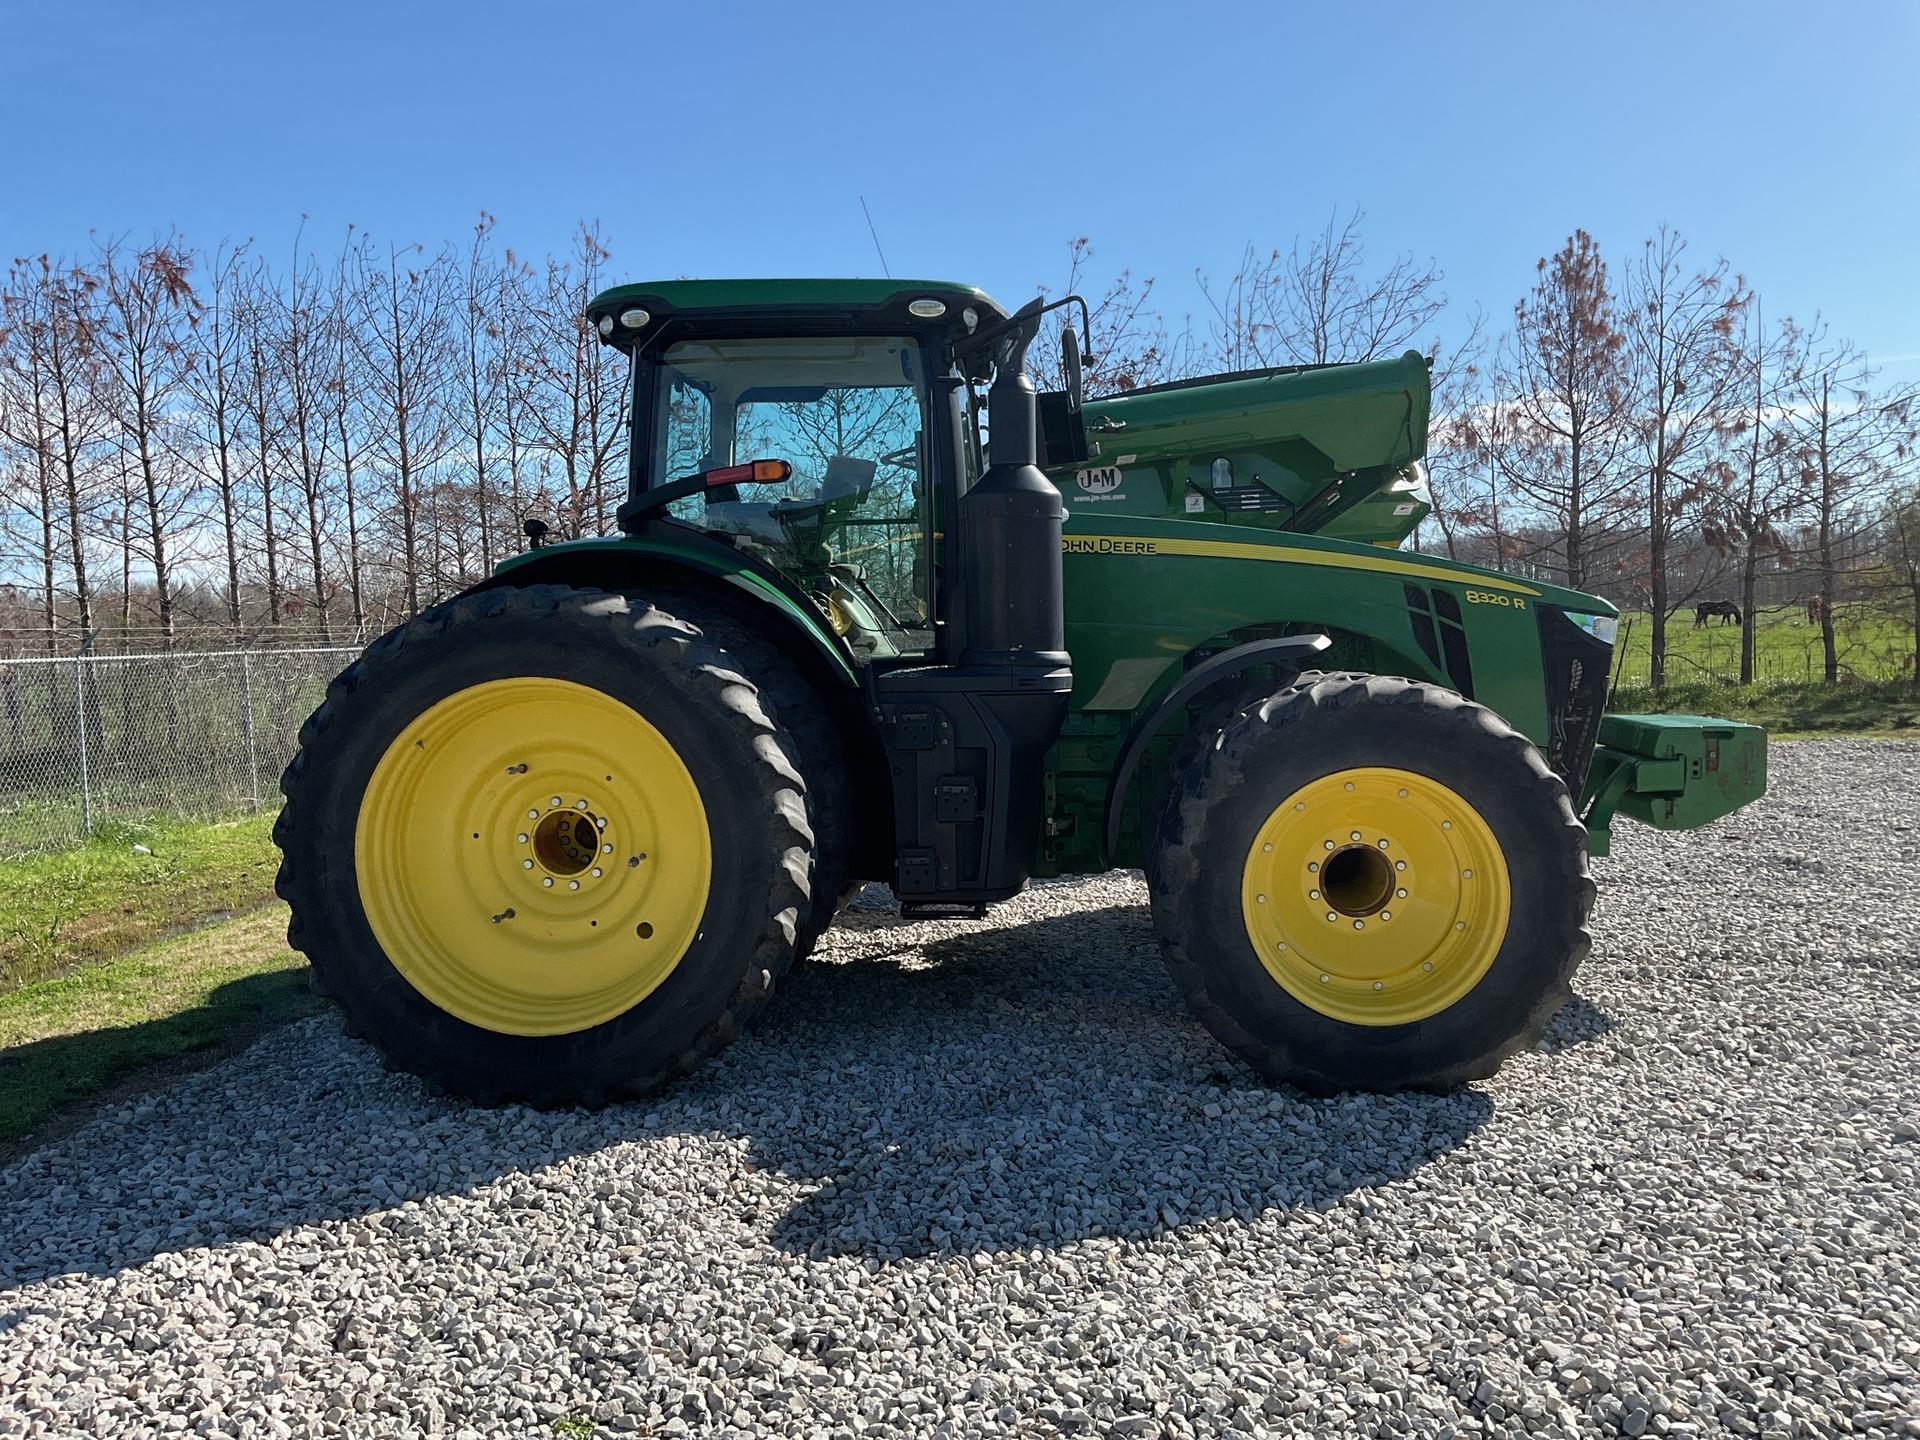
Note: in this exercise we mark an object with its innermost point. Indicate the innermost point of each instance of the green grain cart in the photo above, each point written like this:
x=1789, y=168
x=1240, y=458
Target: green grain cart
x=559, y=838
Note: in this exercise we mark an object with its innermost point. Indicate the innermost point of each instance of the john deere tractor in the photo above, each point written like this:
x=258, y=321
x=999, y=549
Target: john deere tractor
x=560, y=838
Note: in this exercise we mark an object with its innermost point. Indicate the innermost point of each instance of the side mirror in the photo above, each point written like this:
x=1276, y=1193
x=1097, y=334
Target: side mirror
x=1063, y=428
x=1070, y=367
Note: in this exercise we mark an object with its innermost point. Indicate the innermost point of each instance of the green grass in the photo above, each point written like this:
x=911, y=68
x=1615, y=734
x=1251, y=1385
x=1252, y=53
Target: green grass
x=1870, y=645
x=118, y=1025
x=101, y=899
x=1787, y=707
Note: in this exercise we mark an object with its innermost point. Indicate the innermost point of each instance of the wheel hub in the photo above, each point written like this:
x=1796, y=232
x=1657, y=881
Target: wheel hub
x=570, y=845
x=1357, y=879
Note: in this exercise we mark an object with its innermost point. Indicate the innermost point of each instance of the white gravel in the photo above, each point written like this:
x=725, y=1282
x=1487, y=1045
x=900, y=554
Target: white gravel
x=988, y=1178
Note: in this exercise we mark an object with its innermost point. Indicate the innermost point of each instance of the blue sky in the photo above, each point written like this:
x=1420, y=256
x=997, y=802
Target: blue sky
x=715, y=139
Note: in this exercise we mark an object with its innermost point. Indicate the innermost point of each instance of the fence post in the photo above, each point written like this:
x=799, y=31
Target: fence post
x=253, y=753
x=80, y=717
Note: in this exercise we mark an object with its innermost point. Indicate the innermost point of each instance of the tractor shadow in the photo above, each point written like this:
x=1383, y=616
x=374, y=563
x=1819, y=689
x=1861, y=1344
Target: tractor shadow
x=933, y=1089
x=1057, y=1090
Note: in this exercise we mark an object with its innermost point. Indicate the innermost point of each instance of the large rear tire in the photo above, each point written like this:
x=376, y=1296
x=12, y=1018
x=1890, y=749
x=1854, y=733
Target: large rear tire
x=546, y=844
x=1366, y=883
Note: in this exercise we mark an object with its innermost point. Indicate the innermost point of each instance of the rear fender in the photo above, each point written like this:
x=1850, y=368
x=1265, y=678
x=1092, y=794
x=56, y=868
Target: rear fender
x=633, y=563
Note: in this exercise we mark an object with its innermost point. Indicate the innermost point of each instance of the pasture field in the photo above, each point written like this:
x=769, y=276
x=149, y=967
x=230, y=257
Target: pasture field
x=1872, y=645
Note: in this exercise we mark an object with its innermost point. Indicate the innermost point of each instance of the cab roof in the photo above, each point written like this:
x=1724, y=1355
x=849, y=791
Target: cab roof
x=740, y=299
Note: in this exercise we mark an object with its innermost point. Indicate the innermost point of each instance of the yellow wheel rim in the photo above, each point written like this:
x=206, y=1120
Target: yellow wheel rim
x=533, y=856
x=1376, y=896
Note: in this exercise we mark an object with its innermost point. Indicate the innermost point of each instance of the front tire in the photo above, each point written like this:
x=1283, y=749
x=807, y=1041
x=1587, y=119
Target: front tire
x=1366, y=883
x=545, y=844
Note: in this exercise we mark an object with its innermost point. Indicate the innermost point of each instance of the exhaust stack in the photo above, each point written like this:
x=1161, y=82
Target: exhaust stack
x=1011, y=526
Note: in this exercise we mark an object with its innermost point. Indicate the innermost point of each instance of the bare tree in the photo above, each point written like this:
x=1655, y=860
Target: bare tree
x=1321, y=302
x=346, y=391
x=480, y=333
x=573, y=386
x=514, y=308
x=148, y=307
x=1680, y=328
x=1564, y=403
x=256, y=314
x=214, y=381
x=26, y=424
x=306, y=367
x=1852, y=438
x=1461, y=472
x=1761, y=479
x=407, y=339
x=51, y=315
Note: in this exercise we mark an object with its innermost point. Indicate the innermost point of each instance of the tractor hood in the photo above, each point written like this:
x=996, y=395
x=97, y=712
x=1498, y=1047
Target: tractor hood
x=1107, y=533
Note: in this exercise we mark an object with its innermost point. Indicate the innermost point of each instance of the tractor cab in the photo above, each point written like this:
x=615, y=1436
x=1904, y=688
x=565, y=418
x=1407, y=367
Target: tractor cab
x=825, y=430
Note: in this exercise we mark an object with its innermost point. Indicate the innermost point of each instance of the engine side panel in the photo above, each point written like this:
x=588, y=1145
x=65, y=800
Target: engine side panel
x=1145, y=600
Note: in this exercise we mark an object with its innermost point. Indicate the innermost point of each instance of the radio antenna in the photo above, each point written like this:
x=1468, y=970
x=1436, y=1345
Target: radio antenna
x=876, y=238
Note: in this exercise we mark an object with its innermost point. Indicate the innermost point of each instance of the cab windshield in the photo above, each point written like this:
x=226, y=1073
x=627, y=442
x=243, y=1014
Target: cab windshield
x=851, y=526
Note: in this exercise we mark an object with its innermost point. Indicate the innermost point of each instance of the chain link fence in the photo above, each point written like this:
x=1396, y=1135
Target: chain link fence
x=85, y=739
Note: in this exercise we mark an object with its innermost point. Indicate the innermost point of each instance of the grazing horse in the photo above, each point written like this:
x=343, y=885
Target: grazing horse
x=1726, y=610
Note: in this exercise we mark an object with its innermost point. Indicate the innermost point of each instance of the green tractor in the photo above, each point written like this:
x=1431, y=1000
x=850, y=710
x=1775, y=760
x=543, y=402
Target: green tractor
x=560, y=838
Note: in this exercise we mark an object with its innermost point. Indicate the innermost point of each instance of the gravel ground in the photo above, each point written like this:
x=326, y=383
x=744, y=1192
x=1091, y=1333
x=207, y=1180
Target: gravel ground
x=988, y=1178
